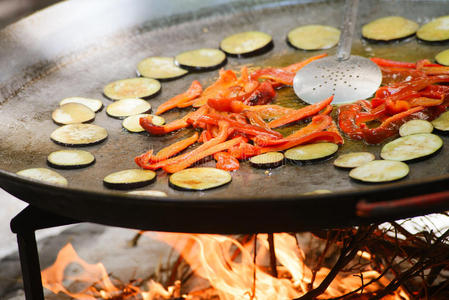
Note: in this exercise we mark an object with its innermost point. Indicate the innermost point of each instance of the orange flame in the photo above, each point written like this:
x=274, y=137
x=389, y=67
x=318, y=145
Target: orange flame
x=211, y=257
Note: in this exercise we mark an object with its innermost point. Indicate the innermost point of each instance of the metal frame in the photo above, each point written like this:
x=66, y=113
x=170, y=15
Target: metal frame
x=24, y=225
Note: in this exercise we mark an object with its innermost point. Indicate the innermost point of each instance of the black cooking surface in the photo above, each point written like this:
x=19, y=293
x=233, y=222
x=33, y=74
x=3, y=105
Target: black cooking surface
x=254, y=195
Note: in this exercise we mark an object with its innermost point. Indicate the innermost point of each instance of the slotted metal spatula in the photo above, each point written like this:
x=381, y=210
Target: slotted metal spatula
x=347, y=77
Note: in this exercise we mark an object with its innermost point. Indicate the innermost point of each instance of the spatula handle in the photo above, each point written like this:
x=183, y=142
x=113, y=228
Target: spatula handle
x=349, y=21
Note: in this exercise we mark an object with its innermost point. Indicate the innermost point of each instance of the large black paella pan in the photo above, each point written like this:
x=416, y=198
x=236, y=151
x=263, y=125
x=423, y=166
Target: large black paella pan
x=76, y=47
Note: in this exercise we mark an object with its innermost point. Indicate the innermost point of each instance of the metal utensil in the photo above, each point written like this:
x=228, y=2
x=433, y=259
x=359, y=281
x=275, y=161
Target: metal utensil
x=347, y=77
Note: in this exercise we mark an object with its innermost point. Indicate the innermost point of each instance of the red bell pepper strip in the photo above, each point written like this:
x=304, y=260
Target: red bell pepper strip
x=148, y=158
x=193, y=92
x=347, y=120
x=319, y=123
x=243, y=150
x=435, y=91
x=296, y=67
x=389, y=127
x=425, y=101
x=226, y=161
x=391, y=63
x=227, y=79
x=435, y=70
x=312, y=137
x=301, y=113
x=264, y=94
x=277, y=75
x=191, y=159
x=147, y=124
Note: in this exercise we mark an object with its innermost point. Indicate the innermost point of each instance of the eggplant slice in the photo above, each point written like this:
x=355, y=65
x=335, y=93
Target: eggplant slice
x=311, y=152
x=245, y=44
x=149, y=193
x=353, y=159
x=205, y=59
x=412, y=147
x=127, y=107
x=129, y=179
x=414, y=127
x=70, y=159
x=132, y=88
x=74, y=135
x=442, y=122
x=160, y=68
x=94, y=104
x=267, y=160
x=45, y=175
x=132, y=123
x=72, y=113
x=436, y=30
x=380, y=171
x=388, y=29
x=313, y=37
x=199, y=179
x=443, y=58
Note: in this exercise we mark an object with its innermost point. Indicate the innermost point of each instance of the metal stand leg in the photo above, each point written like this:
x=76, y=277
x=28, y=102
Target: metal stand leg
x=24, y=225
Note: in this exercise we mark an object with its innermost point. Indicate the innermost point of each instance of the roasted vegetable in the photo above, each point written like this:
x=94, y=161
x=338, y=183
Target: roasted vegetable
x=128, y=107
x=389, y=29
x=205, y=59
x=74, y=135
x=129, y=179
x=414, y=127
x=380, y=171
x=247, y=44
x=45, y=175
x=442, y=122
x=72, y=113
x=313, y=37
x=311, y=152
x=132, y=123
x=199, y=179
x=160, y=68
x=353, y=159
x=149, y=193
x=94, y=104
x=267, y=160
x=436, y=30
x=443, y=57
x=412, y=147
x=70, y=159
x=132, y=88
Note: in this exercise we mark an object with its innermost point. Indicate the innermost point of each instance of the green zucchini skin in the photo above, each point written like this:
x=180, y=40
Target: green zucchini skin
x=128, y=186
x=393, y=41
x=196, y=67
x=267, y=48
x=202, y=69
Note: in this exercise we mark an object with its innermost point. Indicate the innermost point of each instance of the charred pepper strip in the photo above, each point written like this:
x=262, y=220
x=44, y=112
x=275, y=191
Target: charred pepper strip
x=226, y=161
x=296, y=67
x=392, y=63
x=301, y=113
x=227, y=79
x=193, y=92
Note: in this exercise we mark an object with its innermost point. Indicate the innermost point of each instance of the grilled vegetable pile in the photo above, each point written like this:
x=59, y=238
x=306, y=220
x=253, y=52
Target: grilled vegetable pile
x=410, y=91
x=235, y=121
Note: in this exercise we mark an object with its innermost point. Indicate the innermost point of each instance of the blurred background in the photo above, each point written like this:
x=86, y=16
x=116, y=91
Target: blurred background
x=12, y=10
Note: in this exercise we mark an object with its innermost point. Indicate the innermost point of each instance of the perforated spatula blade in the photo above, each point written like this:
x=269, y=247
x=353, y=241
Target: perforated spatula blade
x=347, y=77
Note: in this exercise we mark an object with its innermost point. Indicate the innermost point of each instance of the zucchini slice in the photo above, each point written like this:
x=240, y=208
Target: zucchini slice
x=129, y=179
x=353, y=159
x=199, y=179
x=246, y=44
x=45, y=175
x=313, y=37
x=267, y=160
x=414, y=127
x=442, y=122
x=132, y=88
x=411, y=147
x=311, y=152
x=73, y=135
x=132, y=123
x=205, y=59
x=72, y=113
x=380, y=171
x=161, y=68
x=317, y=192
x=149, y=193
x=436, y=30
x=94, y=104
x=389, y=29
x=443, y=58
x=70, y=159
x=127, y=107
